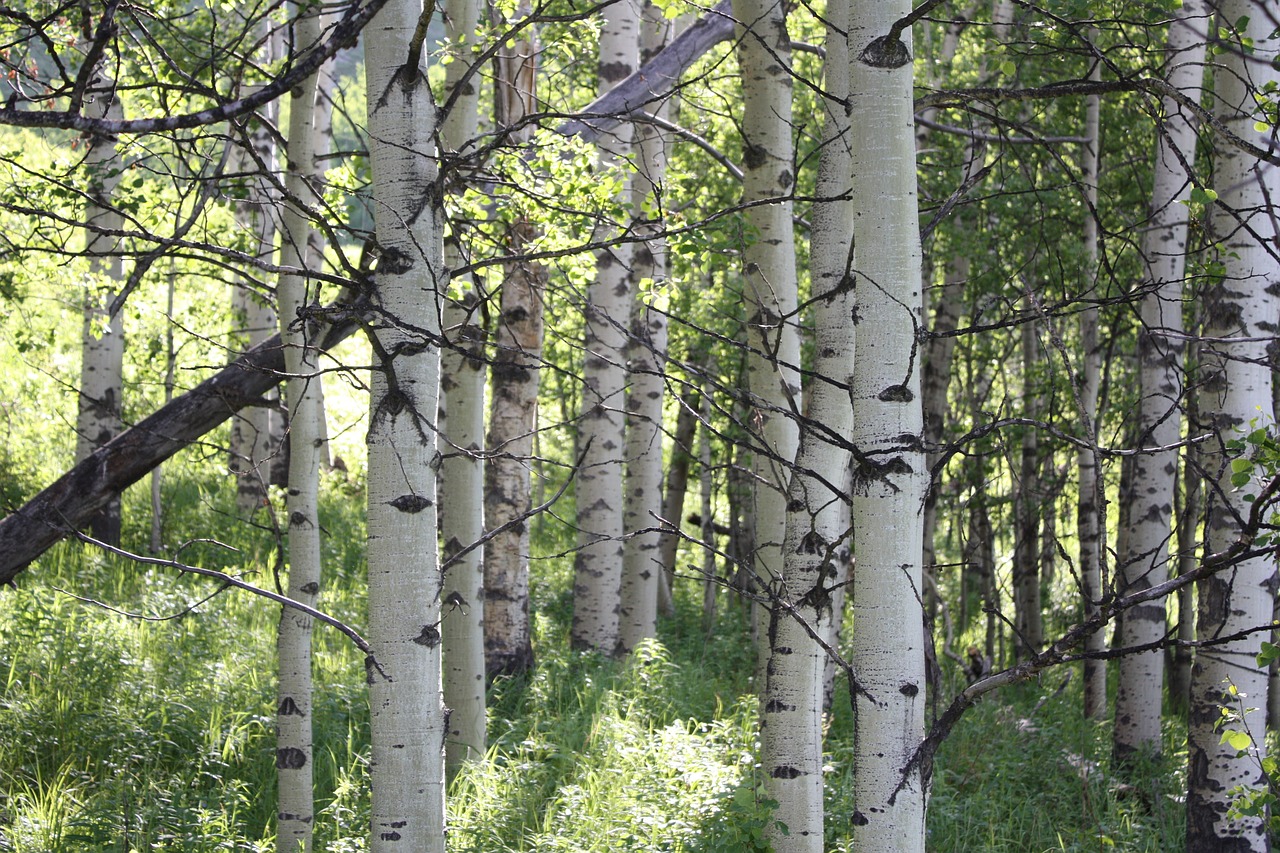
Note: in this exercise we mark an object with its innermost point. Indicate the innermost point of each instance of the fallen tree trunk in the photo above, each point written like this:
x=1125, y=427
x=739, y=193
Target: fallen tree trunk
x=71, y=501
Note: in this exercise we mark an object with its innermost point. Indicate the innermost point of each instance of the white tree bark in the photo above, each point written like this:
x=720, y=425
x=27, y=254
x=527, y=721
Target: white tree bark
x=890, y=479
x=1028, y=618
x=773, y=340
x=1240, y=312
x=514, y=377
x=255, y=431
x=462, y=426
x=102, y=342
x=407, y=719
x=641, y=557
x=1090, y=496
x=1161, y=350
x=597, y=585
x=816, y=520
x=294, y=760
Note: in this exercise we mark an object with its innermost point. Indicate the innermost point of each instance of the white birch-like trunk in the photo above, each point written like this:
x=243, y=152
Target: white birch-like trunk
x=945, y=318
x=1239, y=318
x=706, y=513
x=641, y=556
x=514, y=380
x=257, y=431
x=597, y=585
x=462, y=426
x=890, y=479
x=102, y=342
x=769, y=260
x=1028, y=618
x=170, y=364
x=294, y=760
x=1090, y=496
x=407, y=718
x=1161, y=351
x=673, y=497
x=816, y=520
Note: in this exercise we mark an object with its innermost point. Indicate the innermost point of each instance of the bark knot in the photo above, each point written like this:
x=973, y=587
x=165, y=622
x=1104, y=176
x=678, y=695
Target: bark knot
x=290, y=758
x=430, y=637
x=886, y=52
x=411, y=503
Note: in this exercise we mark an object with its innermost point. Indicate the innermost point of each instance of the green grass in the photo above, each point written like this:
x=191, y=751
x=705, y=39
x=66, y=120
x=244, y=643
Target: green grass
x=122, y=734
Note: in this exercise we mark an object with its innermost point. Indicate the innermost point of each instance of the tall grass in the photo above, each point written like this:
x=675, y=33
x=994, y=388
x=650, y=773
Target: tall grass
x=123, y=733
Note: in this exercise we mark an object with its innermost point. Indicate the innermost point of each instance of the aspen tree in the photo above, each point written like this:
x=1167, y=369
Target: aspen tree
x=462, y=427
x=641, y=557
x=1091, y=496
x=890, y=479
x=1161, y=351
x=102, y=340
x=816, y=520
x=514, y=378
x=769, y=271
x=1239, y=322
x=407, y=718
x=294, y=760
x=597, y=585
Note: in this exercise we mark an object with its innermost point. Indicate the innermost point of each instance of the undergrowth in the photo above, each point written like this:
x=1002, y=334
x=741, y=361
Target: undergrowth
x=148, y=726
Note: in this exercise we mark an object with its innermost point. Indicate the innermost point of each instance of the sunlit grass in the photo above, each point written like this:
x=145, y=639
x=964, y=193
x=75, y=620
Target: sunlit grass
x=120, y=733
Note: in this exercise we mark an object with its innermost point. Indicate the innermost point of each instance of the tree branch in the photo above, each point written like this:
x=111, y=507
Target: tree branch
x=71, y=501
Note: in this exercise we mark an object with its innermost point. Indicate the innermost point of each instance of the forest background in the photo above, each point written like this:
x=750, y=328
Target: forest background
x=606, y=473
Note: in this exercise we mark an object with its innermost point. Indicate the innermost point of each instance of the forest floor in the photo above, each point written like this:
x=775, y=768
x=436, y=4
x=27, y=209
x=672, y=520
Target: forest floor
x=136, y=714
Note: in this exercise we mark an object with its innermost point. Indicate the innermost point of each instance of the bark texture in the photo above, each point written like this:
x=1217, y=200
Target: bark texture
x=597, y=585
x=816, y=518
x=1161, y=352
x=407, y=718
x=294, y=760
x=1239, y=317
x=462, y=427
x=513, y=414
x=98, y=418
x=890, y=480
x=641, y=558
x=773, y=340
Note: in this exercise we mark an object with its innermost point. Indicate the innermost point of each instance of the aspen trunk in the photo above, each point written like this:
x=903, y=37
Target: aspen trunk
x=674, y=496
x=773, y=340
x=641, y=557
x=597, y=586
x=462, y=427
x=1161, y=353
x=407, y=719
x=515, y=378
x=1091, y=495
x=1239, y=311
x=294, y=760
x=890, y=480
x=98, y=418
x=1026, y=565
x=816, y=520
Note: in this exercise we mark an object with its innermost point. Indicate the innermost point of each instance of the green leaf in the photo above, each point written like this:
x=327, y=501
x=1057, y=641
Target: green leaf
x=1008, y=68
x=1239, y=741
x=1240, y=479
x=1203, y=195
x=1270, y=651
